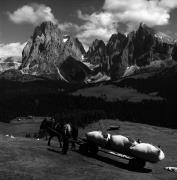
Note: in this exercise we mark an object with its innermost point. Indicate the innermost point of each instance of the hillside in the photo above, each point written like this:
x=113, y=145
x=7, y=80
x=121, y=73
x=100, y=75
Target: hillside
x=27, y=158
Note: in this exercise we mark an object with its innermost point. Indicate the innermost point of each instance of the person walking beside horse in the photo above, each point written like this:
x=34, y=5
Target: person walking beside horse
x=70, y=134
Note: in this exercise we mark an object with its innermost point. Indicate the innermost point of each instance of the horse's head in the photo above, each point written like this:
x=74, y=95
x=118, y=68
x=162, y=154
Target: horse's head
x=44, y=124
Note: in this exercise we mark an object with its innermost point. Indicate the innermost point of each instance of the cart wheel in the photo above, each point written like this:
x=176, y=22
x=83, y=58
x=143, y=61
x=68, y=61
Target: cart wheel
x=92, y=149
x=137, y=163
x=83, y=148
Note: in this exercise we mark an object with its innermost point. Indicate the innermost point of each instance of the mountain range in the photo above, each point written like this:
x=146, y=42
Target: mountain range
x=51, y=52
x=137, y=70
x=139, y=48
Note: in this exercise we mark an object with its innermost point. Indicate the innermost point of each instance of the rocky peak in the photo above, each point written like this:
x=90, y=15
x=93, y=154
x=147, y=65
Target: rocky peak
x=139, y=47
x=144, y=29
x=146, y=45
x=48, y=48
x=47, y=28
x=119, y=36
x=97, y=52
x=96, y=55
x=79, y=46
x=97, y=45
x=116, y=43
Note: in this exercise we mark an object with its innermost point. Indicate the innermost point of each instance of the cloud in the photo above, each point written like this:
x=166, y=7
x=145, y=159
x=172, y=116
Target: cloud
x=104, y=23
x=32, y=14
x=96, y=26
x=171, y=4
x=68, y=27
x=130, y=12
x=12, y=49
x=151, y=12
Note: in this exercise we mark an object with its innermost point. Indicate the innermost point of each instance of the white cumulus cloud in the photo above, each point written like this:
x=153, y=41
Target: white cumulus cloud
x=96, y=26
x=11, y=49
x=68, y=26
x=129, y=12
x=104, y=23
x=171, y=4
x=32, y=14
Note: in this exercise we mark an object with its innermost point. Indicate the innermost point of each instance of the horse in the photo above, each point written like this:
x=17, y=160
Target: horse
x=51, y=128
x=66, y=132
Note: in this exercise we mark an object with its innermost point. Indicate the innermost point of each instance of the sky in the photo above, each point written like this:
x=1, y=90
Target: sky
x=84, y=19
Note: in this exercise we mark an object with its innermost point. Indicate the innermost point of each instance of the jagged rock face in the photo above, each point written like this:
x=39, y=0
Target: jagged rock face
x=115, y=48
x=97, y=55
x=139, y=48
x=48, y=48
x=146, y=46
x=96, y=52
x=79, y=47
x=116, y=44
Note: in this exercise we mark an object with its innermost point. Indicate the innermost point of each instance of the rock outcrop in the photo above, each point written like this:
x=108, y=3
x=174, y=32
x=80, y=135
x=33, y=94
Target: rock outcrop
x=47, y=50
x=97, y=55
x=147, y=46
x=138, y=48
x=74, y=71
x=116, y=44
x=97, y=52
x=115, y=47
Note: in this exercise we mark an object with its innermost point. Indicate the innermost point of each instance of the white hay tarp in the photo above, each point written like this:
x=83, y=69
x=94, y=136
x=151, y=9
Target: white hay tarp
x=121, y=143
x=147, y=152
x=98, y=138
x=126, y=145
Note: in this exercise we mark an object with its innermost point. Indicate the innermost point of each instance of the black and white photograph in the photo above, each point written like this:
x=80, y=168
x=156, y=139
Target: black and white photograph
x=88, y=89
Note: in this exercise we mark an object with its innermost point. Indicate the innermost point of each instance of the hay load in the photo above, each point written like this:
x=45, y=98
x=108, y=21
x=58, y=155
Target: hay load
x=125, y=145
x=121, y=143
x=147, y=152
x=98, y=138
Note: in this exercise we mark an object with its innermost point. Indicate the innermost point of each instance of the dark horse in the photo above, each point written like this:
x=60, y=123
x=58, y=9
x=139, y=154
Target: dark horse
x=50, y=128
x=65, y=132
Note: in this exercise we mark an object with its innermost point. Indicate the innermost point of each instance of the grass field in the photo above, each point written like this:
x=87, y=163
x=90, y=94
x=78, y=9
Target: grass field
x=113, y=93
x=27, y=158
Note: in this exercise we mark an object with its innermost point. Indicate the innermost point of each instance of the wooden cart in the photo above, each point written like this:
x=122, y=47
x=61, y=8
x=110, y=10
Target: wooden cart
x=89, y=148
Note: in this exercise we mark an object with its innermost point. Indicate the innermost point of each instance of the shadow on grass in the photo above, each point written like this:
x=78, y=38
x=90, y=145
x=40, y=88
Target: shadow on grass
x=54, y=150
x=116, y=163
